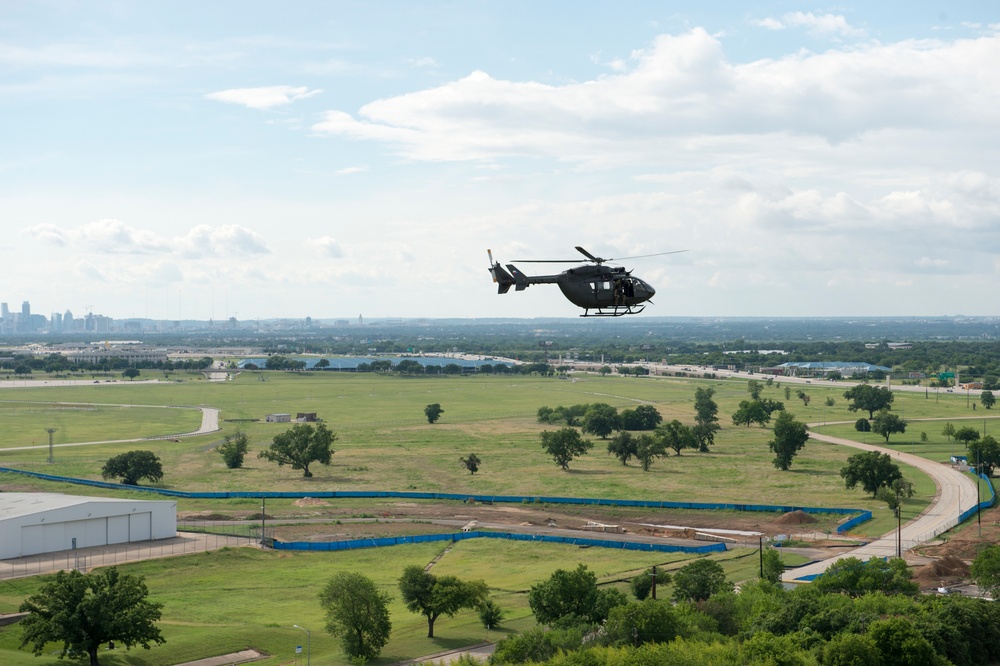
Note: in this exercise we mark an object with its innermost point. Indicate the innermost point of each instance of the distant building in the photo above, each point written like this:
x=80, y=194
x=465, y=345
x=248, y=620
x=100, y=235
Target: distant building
x=823, y=368
x=278, y=418
x=306, y=417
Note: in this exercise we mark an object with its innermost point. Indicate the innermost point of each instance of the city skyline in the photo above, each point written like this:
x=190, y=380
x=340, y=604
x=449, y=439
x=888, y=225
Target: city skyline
x=330, y=159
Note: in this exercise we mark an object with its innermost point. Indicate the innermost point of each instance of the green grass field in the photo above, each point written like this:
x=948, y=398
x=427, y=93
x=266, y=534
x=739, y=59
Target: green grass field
x=227, y=601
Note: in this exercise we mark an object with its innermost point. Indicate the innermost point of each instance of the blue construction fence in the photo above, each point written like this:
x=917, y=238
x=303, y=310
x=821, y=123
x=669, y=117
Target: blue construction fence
x=354, y=544
x=860, y=515
x=985, y=504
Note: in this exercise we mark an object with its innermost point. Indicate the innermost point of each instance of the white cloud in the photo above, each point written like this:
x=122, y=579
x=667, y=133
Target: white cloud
x=263, y=98
x=821, y=23
x=108, y=236
x=328, y=247
x=683, y=90
x=426, y=61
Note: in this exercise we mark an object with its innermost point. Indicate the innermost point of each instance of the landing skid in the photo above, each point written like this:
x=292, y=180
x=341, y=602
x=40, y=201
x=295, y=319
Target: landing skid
x=614, y=311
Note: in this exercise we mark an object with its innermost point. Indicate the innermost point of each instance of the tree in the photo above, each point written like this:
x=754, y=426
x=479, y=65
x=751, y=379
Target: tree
x=698, y=580
x=750, y=411
x=894, y=494
x=867, y=398
x=649, y=448
x=887, y=423
x=130, y=373
x=490, y=614
x=966, y=434
x=871, y=469
x=623, y=446
x=855, y=578
x=639, y=622
x=85, y=611
x=564, y=445
x=301, y=446
x=322, y=364
x=789, y=436
x=985, y=454
x=985, y=571
x=433, y=412
x=988, y=399
x=948, y=430
x=570, y=597
x=643, y=417
x=642, y=585
x=605, y=370
x=705, y=417
x=601, y=419
x=754, y=388
x=863, y=425
x=356, y=611
x=133, y=466
x=773, y=566
x=234, y=448
x=677, y=436
x=471, y=462
x=433, y=596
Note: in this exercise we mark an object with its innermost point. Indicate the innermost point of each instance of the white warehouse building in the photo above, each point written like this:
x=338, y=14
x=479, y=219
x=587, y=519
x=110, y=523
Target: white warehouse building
x=34, y=523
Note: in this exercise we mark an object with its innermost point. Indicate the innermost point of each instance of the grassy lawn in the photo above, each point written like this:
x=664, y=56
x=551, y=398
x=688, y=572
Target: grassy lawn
x=385, y=443
x=229, y=600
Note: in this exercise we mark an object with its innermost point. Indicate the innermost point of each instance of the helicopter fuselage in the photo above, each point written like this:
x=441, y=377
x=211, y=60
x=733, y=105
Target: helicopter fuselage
x=610, y=290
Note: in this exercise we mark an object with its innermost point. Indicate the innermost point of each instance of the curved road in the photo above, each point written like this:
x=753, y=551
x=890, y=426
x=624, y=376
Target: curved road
x=956, y=492
x=209, y=424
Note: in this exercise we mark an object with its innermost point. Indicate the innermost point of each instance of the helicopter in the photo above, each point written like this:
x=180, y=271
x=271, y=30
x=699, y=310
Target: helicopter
x=611, y=291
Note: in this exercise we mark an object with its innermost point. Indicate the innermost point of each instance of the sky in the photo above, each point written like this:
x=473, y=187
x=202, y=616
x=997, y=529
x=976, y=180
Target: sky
x=205, y=160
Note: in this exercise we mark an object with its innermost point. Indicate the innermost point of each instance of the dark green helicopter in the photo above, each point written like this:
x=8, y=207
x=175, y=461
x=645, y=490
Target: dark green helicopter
x=611, y=291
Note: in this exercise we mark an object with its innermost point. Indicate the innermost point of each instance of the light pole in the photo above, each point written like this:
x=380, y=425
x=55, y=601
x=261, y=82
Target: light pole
x=50, y=431
x=308, y=642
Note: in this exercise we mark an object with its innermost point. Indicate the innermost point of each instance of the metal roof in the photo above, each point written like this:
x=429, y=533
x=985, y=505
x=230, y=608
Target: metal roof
x=13, y=505
x=834, y=365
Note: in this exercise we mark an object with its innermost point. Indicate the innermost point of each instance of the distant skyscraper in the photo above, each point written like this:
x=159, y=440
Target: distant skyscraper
x=25, y=310
x=361, y=320
x=4, y=311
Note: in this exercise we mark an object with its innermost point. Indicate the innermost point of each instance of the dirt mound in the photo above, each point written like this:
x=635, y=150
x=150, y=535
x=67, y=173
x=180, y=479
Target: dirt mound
x=795, y=518
x=310, y=501
x=948, y=568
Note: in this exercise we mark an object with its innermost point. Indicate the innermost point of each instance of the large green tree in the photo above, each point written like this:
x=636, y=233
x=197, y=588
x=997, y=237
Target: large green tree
x=789, y=437
x=571, y=596
x=300, y=446
x=639, y=622
x=564, y=445
x=988, y=399
x=966, y=435
x=887, y=423
x=985, y=571
x=132, y=466
x=649, y=448
x=871, y=469
x=698, y=580
x=601, y=420
x=433, y=596
x=643, y=417
x=985, y=453
x=868, y=398
x=358, y=612
x=706, y=417
x=677, y=436
x=433, y=412
x=623, y=446
x=751, y=411
x=855, y=578
x=85, y=611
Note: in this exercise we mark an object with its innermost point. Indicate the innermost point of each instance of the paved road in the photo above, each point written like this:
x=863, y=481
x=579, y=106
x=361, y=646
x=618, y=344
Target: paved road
x=209, y=424
x=956, y=492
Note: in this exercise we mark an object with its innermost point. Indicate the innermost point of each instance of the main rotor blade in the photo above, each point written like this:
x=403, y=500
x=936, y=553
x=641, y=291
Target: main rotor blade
x=590, y=256
x=546, y=261
x=643, y=256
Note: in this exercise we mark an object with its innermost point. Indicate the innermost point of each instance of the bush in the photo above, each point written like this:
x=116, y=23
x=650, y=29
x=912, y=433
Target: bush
x=234, y=448
x=862, y=425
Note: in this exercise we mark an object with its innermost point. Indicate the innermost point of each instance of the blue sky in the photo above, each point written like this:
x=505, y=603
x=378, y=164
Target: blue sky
x=330, y=159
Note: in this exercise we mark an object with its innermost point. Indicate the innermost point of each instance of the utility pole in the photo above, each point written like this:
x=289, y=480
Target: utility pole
x=50, y=431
